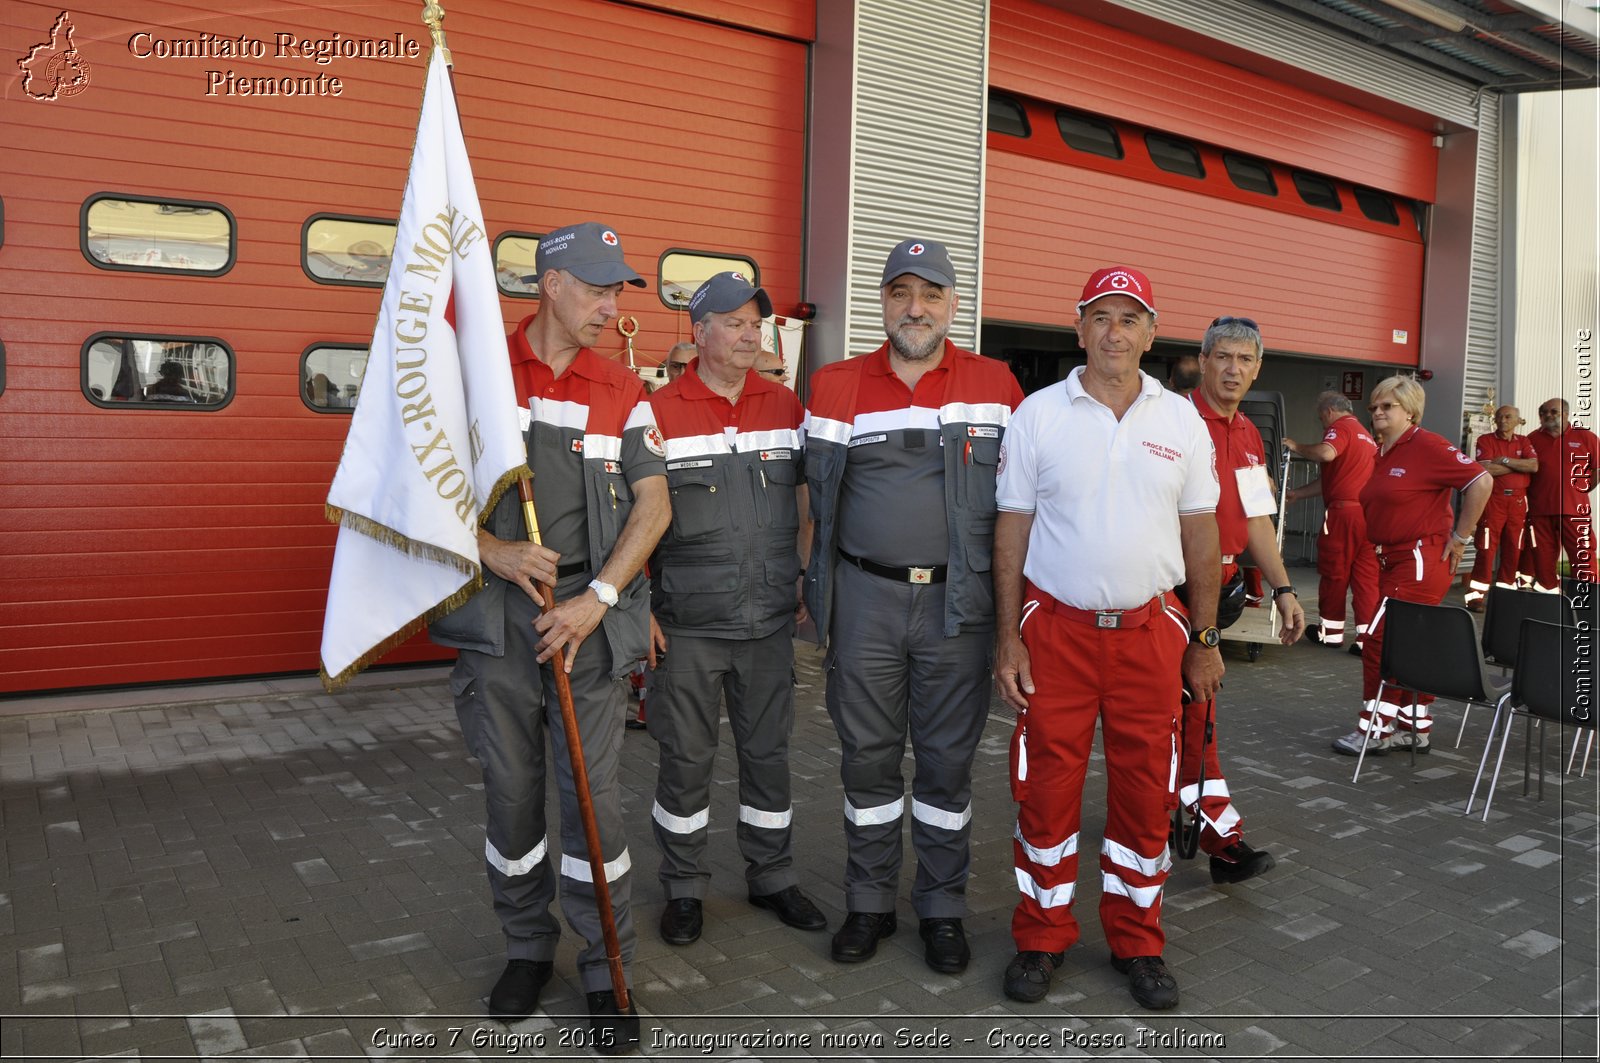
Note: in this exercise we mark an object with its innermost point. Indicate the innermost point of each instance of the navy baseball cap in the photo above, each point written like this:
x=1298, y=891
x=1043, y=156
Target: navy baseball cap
x=926, y=258
x=725, y=292
x=590, y=252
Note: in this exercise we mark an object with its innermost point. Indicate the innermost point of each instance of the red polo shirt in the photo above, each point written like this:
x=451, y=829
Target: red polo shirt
x=1238, y=445
x=1354, y=450
x=1566, y=471
x=1490, y=447
x=1408, y=497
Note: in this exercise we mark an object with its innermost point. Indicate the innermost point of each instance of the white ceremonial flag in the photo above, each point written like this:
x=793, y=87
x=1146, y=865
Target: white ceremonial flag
x=435, y=438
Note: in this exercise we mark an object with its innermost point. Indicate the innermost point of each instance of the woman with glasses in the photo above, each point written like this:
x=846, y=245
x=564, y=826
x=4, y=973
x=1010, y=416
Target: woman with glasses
x=1420, y=539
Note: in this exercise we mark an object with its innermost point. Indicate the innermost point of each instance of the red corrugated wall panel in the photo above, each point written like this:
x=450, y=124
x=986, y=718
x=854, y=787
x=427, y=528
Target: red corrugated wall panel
x=146, y=546
x=1315, y=287
x=1041, y=51
x=786, y=18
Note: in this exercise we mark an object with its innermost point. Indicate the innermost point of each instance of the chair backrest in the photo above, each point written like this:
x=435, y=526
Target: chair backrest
x=1503, y=617
x=1433, y=649
x=1551, y=663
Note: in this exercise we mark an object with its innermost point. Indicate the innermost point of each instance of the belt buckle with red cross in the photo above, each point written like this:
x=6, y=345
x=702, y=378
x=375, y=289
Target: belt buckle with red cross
x=920, y=575
x=1108, y=618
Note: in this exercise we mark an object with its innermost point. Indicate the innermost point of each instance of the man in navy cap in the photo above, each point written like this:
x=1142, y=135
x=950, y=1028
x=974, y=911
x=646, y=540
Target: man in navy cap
x=902, y=446
x=724, y=592
x=598, y=463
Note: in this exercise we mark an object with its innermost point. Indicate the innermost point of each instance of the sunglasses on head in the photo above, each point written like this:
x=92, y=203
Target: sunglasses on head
x=779, y=371
x=1228, y=320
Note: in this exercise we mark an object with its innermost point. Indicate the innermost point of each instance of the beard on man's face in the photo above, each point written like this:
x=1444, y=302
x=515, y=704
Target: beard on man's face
x=916, y=347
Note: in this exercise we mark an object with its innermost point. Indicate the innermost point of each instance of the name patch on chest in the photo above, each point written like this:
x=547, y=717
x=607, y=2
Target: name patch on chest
x=1161, y=450
x=577, y=446
x=702, y=463
x=861, y=441
x=980, y=431
x=777, y=455
x=614, y=466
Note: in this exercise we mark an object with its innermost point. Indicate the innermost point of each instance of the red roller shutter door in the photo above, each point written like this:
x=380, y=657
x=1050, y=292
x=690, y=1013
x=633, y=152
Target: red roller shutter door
x=1331, y=286
x=152, y=546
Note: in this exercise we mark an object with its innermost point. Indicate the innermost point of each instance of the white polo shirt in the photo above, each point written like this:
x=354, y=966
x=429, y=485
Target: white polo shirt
x=1106, y=494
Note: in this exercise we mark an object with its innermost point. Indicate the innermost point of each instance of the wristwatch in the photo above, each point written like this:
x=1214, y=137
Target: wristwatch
x=1207, y=636
x=605, y=592
x=1279, y=592
x=1464, y=540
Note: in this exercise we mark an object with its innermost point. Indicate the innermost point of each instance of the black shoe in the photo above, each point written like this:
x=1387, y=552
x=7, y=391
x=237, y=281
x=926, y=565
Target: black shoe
x=858, y=938
x=1028, y=975
x=516, y=994
x=1238, y=862
x=1314, y=634
x=681, y=921
x=1151, y=984
x=793, y=908
x=945, y=945
x=1355, y=650
x=633, y=723
x=613, y=1032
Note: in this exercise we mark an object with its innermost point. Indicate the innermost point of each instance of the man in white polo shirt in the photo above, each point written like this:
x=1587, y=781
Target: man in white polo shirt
x=1107, y=496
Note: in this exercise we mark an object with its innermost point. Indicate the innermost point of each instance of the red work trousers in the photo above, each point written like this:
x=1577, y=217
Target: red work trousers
x=1551, y=533
x=1219, y=820
x=1417, y=575
x=1345, y=562
x=1130, y=679
x=1500, y=526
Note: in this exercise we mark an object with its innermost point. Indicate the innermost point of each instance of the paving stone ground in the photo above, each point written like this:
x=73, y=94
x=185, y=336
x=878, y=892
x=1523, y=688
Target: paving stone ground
x=268, y=871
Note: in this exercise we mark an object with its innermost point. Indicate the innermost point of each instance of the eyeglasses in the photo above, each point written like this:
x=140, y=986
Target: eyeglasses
x=1246, y=322
x=779, y=372
x=679, y=366
x=1384, y=406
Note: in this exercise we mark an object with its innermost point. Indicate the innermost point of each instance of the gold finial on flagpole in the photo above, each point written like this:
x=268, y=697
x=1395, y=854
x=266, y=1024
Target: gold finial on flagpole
x=433, y=15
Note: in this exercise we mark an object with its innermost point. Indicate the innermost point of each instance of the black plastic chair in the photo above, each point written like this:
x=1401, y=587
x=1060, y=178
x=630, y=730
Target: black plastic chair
x=1431, y=649
x=1544, y=688
x=1503, y=615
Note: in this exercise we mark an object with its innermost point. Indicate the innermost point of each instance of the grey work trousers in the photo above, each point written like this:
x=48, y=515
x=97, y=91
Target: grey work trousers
x=506, y=706
x=890, y=669
x=757, y=677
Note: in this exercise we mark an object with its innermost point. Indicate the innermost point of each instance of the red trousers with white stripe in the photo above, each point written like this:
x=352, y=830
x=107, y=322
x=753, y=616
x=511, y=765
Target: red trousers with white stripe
x=1130, y=680
x=1219, y=820
x=1551, y=533
x=1414, y=575
x=1500, y=526
x=1345, y=562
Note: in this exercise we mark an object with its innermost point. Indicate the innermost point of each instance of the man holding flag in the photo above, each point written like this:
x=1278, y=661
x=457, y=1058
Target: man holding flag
x=599, y=470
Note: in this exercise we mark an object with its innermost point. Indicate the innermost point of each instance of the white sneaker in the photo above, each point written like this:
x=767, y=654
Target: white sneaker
x=1403, y=740
x=1350, y=745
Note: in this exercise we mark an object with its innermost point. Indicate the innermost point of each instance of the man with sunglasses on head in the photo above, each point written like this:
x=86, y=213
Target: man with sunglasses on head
x=1559, y=510
x=1230, y=360
x=1346, y=561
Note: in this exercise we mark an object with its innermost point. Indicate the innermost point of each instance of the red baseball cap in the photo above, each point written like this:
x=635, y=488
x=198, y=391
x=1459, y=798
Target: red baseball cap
x=1119, y=280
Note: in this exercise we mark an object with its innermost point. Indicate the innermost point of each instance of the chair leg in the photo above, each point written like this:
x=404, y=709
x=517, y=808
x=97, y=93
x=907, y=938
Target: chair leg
x=1462, y=733
x=1542, y=730
x=1587, y=748
x=1483, y=761
x=1572, y=758
x=1366, y=736
x=1527, y=748
x=1505, y=740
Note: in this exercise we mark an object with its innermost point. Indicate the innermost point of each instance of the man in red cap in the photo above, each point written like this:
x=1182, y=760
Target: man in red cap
x=1558, y=500
x=1107, y=496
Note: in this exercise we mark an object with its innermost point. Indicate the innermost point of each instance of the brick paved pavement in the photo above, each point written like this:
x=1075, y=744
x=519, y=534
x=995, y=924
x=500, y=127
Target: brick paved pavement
x=265, y=870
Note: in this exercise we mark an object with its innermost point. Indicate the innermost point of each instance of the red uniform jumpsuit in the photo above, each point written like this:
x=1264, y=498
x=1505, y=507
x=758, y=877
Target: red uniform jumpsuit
x=1558, y=504
x=1238, y=447
x=1503, y=518
x=1409, y=520
x=1345, y=561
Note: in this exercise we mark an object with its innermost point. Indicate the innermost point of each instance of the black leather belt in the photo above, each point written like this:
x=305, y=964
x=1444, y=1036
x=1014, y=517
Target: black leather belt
x=899, y=573
x=577, y=567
